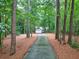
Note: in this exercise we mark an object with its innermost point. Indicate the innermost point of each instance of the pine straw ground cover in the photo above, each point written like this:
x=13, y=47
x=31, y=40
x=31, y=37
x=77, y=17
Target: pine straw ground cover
x=23, y=45
x=63, y=51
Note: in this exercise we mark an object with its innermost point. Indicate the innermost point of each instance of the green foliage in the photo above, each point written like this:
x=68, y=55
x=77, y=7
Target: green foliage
x=76, y=27
x=74, y=44
x=2, y=31
x=3, y=28
x=20, y=27
x=0, y=46
x=42, y=14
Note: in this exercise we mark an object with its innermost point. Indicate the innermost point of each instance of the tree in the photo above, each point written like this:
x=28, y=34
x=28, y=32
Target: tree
x=0, y=32
x=28, y=20
x=13, y=29
x=71, y=22
x=57, y=19
x=65, y=17
x=28, y=28
x=0, y=17
x=6, y=22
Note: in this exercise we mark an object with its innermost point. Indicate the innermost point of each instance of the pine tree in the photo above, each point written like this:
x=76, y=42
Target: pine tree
x=13, y=29
x=0, y=32
x=65, y=17
x=71, y=22
x=57, y=19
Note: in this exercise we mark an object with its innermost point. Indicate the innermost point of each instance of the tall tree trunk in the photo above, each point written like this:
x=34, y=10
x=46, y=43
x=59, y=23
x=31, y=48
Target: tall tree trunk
x=57, y=19
x=13, y=29
x=71, y=22
x=0, y=32
x=28, y=20
x=65, y=17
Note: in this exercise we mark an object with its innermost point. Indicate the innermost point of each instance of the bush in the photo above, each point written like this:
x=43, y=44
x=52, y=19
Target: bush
x=74, y=44
x=2, y=29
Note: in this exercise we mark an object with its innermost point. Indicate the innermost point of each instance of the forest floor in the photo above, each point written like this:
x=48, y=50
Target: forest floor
x=63, y=51
x=23, y=45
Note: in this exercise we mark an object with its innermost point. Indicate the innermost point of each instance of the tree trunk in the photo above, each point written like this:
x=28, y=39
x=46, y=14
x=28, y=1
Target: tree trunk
x=28, y=28
x=6, y=21
x=0, y=18
x=71, y=22
x=28, y=20
x=0, y=32
x=65, y=17
x=13, y=29
x=24, y=26
x=57, y=19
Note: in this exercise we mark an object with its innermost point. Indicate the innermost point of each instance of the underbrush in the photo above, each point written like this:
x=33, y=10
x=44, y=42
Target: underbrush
x=0, y=46
x=74, y=44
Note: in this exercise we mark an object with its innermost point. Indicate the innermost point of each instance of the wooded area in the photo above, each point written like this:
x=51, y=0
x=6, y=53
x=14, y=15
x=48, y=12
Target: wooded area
x=54, y=16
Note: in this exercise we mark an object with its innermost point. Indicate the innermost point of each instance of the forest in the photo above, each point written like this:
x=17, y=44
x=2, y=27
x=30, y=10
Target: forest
x=60, y=17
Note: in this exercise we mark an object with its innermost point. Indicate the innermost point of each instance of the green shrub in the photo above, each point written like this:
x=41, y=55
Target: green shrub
x=74, y=44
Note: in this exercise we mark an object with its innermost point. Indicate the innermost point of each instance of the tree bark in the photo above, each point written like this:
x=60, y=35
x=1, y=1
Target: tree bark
x=57, y=19
x=65, y=17
x=13, y=29
x=28, y=20
x=24, y=26
x=0, y=32
x=28, y=28
x=0, y=18
x=6, y=21
x=71, y=22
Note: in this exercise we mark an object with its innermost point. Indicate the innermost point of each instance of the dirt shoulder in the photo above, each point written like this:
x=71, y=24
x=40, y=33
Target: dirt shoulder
x=63, y=51
x=22, y=46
